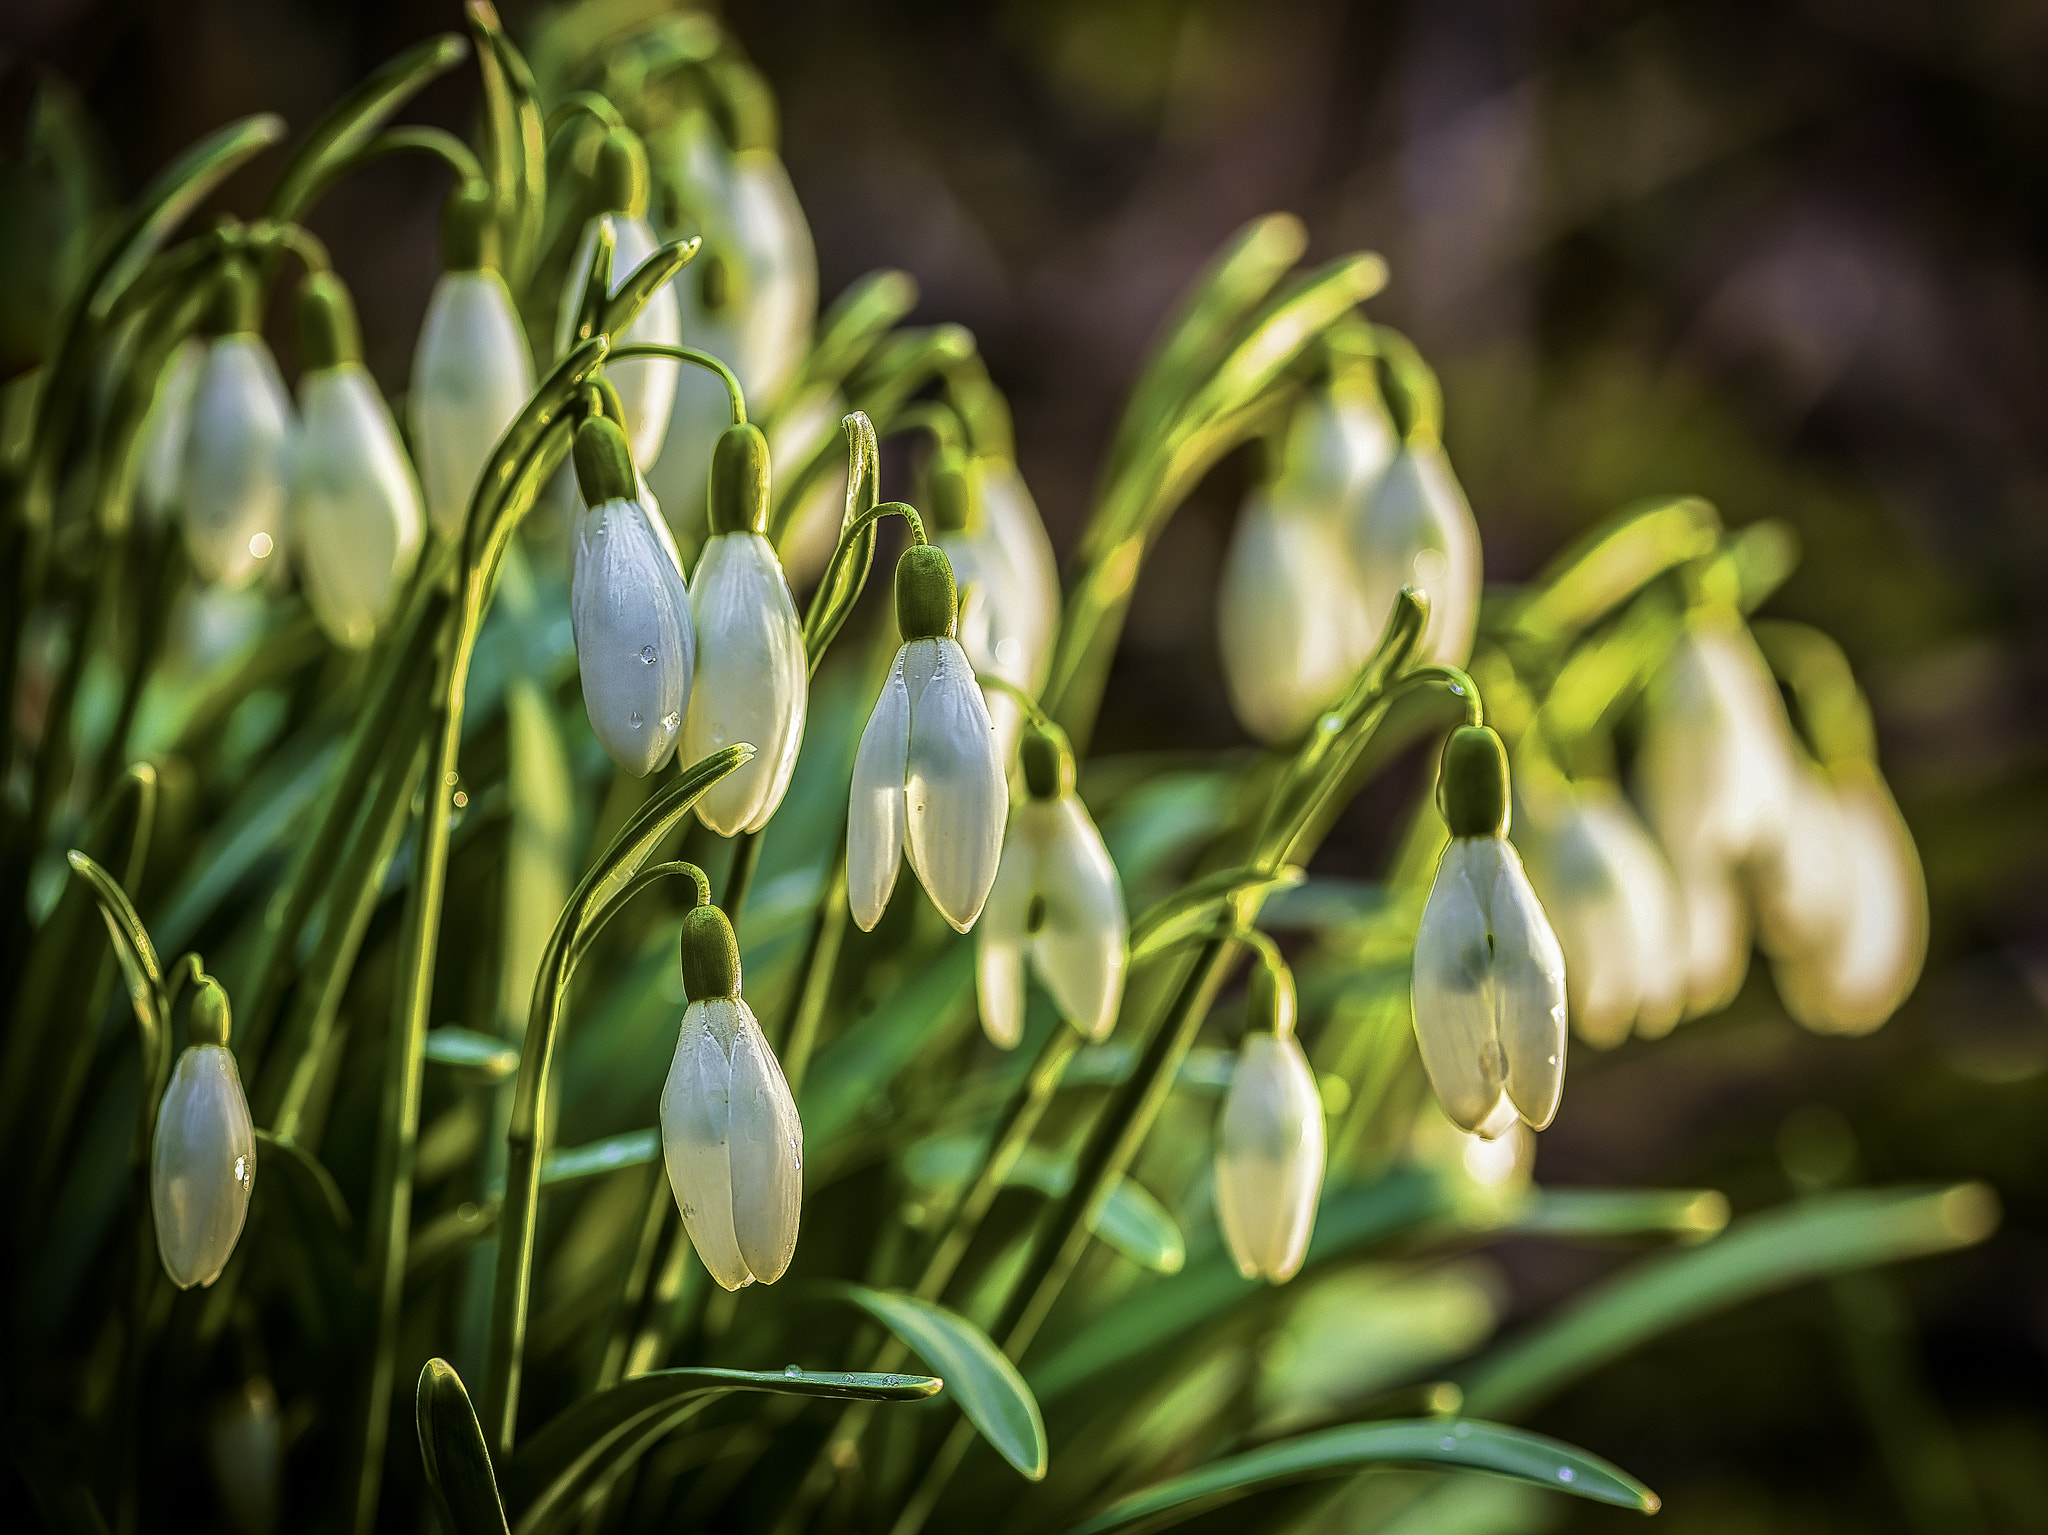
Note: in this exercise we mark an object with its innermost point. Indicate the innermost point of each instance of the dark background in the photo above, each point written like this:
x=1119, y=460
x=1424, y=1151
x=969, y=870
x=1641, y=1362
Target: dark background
x=1785, y=255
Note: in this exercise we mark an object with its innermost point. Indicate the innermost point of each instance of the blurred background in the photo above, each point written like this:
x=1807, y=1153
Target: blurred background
x=1792, y=256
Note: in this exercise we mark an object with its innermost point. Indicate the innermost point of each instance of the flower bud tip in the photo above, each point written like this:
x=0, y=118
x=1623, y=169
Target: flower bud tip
x=469, y=229
x=710, y=955
x=210, y=1021
x=739, y=481
x=604, y=462
x=329, y=334
x=927, y=601
x=1475, y=783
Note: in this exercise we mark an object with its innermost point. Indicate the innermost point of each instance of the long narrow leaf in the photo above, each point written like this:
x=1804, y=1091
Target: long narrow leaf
x=355, y=120
x=458, y=1464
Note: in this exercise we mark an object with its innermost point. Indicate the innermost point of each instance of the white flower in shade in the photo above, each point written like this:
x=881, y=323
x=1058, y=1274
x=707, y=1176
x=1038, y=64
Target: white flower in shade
x=1613, y=901
x=203, y=1159
x=1855, y=979
x=630, y=609
x=926, y=780
x=1270, y=1141
x=646, y=385
x=1489, y=985
x=1292, y=630
x=356, y=523
x=232, y=482
x=1009, y=610
x=752, y=676
x=471, y=372
x=1056, y=898
x=160, y=455
x=246, y=1446
x=729, y=1129
x=1417, y=530
x=1803, y=885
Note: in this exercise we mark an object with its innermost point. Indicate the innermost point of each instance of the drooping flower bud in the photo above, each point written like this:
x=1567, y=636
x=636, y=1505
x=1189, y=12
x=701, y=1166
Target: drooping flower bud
x=752, y=678
x=471, y=371
x=232, y=484
x=1009, y=614
x=1489, y=984
x=203, y=1158
x=630, y=609
x=729, y=1129
x=246, y=1446
x=356, y=523
x=1057, y=898
x=926, y=780
x=160, y=454
x=647, y=385
x=1270, y=1140
x=1417, y=530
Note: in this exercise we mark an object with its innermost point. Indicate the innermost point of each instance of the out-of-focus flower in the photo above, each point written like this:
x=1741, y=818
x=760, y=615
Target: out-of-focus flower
x=246, y=1446
x=730, y=1135
x=232, y=483
x=471, y=372
x=1270, y=1140
x=1417, y=530
x=1057, y=898
x=926, y=780
x=1009, y=612
x=1489, y=986
x=160, y=455
x=751, y=675
x=356, y=522
x=202, y=1164
x=635, y=644
x=646, y=385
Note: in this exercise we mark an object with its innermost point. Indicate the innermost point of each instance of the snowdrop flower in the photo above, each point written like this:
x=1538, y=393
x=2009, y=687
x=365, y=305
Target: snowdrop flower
x=231, y=486
x=1489, y=986
x=646, y=385
x=729, y=1129
x=1340, y=442
x=203, y=1160
x=356, y=521
x=926, y=780
x=246, y=1447
x=1270, y=1140
x=1416, y=530
x=1056, y=897
x=471, y=372
x=1009, y=614
x=752, y=675
x=160, y=455
x=629, y=608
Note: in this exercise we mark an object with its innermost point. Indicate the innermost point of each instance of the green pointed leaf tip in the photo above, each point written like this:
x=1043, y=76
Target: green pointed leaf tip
x=488, y=1057
x=1460, y=1443
x=985, y=1383
x=452, y=1450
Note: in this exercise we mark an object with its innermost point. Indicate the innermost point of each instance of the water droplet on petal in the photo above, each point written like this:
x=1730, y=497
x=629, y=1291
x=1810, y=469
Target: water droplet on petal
x=647, y=654
x=792, y=1369
x=635, y=720
x=671, y=721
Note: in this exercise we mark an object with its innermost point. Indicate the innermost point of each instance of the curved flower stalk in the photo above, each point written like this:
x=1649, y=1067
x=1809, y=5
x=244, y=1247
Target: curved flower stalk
x=1009, y=614
x=471, y=371
x=751, y=678
x=232, y=480
x=160, y=456
x=1270, y=1141
x=630, y=609
x=646, y=385
x=926, y=781
x=356, y=523
x=1489, y=989
x=1057, y=898
x=203, y=1159
x=730, y=1136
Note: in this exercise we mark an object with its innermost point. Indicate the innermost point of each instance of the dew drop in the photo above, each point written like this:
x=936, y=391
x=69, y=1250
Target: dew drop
x=792, y=1369
x=647, y=654
x=889, y=1380
x=671, y=721
x=1566, y=1474
x=1447, y=1443
x=635, y=720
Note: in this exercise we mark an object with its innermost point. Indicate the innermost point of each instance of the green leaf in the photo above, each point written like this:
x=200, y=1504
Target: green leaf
x=1139, y=1227
x=1436, y=1442
x=356, y=119
x=856, y=320
x=139, y=965
x=1200, y=906
x=624, y=306
x=484, y=1054
x=635, y=1148
x=1691, y=1215
x=1131, y=1221
x=603, y=1434
x=614, y=870
x=304, y=1232
x=1615, y=561
x=458, y=1464
x=990, y=1391
x=1813, y=1239
x=848, y=570
x=861, y=1062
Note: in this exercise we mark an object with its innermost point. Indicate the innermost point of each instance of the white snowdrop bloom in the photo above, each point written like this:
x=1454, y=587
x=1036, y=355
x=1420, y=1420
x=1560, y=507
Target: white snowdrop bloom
x=1803, y=884
x=1852, y=983
x=1270, y=1142
x=752, y=676
x=926, y=781
x=160, y=454
x=1340, y=443
x=1056, y=898
x=471, y=371
x=730, y=1135
x=630, y=610
x=356, y=522
x=246, y=1446
x=232, y=481
x=646, y=385
x=203, y=1159
x=810, y=531
x=1489, y=984
x=1416, y=529
x=1009, y=612
x=1291, y=628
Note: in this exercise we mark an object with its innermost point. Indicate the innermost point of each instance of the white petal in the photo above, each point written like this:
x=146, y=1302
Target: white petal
x=635, y=645
x=767, y=1151
x=751, y=680
x=1032, y=602
x=1716, y=937
x=1583, y=893
x=1417, y=530
x=1529, y=984
x=1453, y=991
x=202, y=1166
x=954, y=793
x=233, y=487
x=1080, y=950
x=1804, y=886
x=696, y=1120
x=1651, y=902
x=646, y=385
x=160, y=455
x=1269, y=1158
x=875, y=808
x=782, y=299
x=471, y=376
x=356, y=522
x=1339, y=443
x=999, y=937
